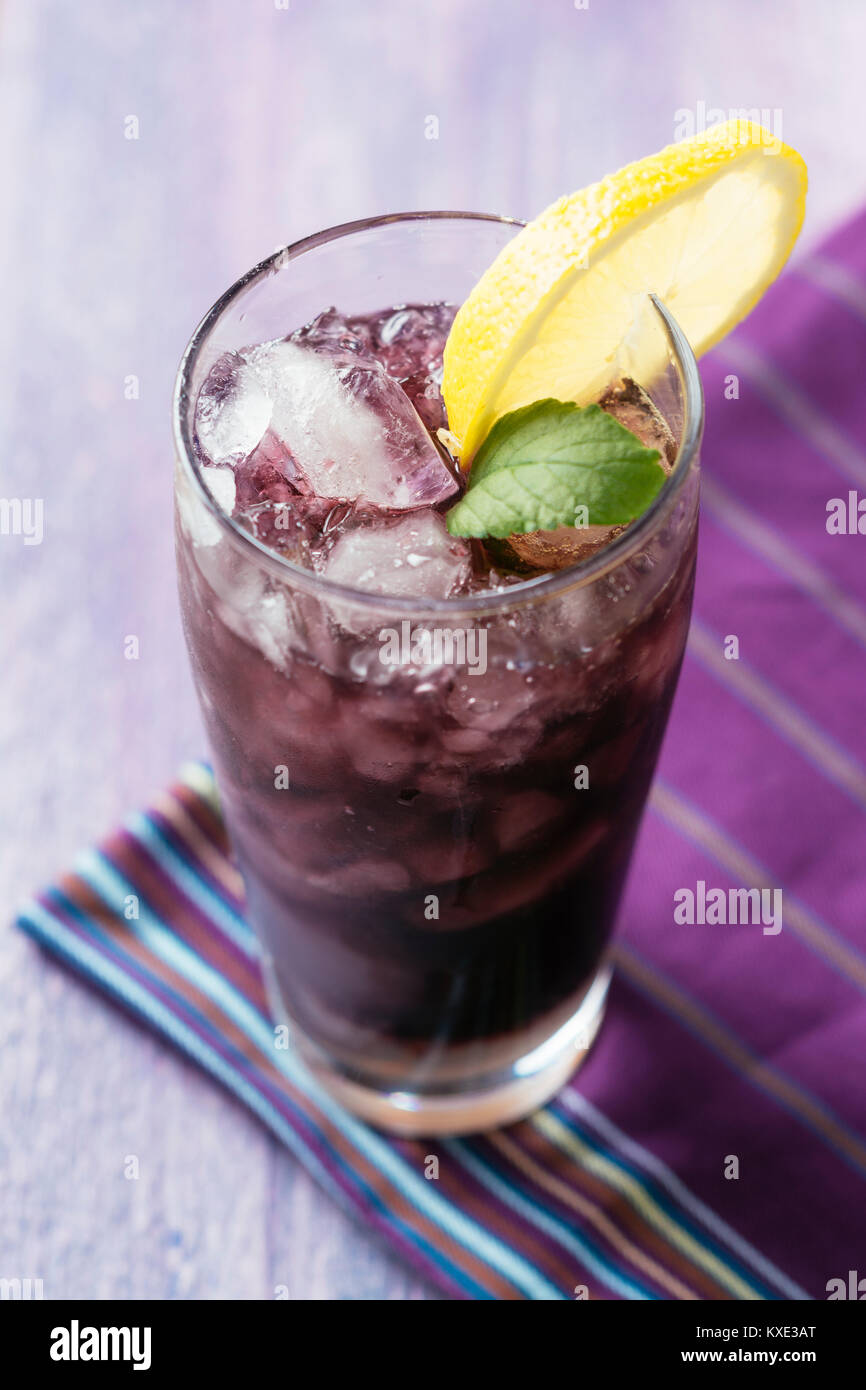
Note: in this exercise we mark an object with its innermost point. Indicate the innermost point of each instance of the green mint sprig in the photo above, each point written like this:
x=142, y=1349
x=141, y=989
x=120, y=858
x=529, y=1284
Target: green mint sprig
x=540, y=465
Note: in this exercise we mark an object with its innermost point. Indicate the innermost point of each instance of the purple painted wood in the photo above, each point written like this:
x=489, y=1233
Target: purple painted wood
x=255, y=124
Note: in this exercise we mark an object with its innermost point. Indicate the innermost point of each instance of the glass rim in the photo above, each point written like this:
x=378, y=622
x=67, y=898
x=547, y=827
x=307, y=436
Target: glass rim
x=526, y=591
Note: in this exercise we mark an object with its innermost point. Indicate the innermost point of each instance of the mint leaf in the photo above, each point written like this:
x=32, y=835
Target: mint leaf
x=540, y=463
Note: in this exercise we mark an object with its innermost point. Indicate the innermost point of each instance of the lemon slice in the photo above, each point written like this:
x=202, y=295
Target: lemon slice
x=706, y=224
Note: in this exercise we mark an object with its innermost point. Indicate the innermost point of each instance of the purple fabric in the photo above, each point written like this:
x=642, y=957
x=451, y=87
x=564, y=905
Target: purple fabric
x=764, y=772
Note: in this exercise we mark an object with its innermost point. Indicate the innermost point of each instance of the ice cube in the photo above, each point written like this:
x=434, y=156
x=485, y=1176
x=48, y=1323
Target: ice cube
x=508, y=888
x=220, y=483
x=506, y=694
x=248, y=603
x=232, y=411
x=568, y=545
x=446, y=859
x=326, y=415
x=196, y=520
x=424, y=325
x=286, y=527
x=330, y=327
x=525, y=817
x=351, y=431
x=630, y=404
x=540, y=551
x=382, y=754
x=425, y=394
x=414, y=557
x=411, y=341
x=368, y=876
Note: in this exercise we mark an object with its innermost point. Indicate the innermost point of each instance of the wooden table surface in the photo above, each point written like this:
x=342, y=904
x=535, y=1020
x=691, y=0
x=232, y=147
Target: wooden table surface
x=256, y=123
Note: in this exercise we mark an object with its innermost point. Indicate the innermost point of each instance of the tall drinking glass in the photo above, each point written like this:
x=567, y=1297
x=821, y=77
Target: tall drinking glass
x=433, y=803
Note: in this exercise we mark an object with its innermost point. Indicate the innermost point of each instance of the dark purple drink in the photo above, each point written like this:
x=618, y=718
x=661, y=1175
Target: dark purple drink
x=432, y=775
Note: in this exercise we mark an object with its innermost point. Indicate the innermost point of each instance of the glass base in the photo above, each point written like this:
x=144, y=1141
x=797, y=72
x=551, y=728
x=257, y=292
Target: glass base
x=473, y=1104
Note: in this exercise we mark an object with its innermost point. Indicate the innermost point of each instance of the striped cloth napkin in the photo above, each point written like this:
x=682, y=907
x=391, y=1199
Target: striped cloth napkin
x=713, y=1145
